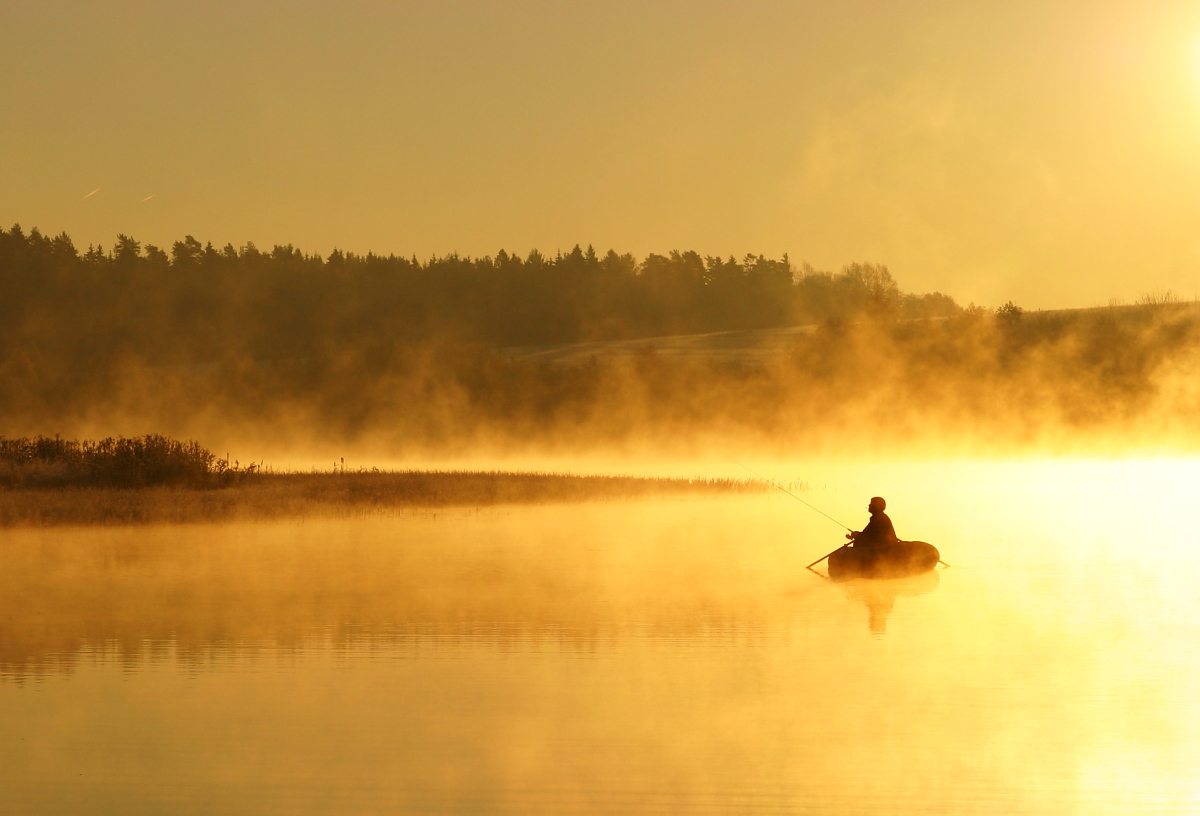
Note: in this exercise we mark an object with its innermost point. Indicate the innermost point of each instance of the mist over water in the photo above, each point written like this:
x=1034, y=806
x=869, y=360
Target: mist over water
x=269, y=356
x=490, y=642
x=649, y=656
x=420, y=429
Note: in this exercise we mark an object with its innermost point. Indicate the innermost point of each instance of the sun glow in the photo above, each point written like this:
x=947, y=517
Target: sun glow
x=1195, y=62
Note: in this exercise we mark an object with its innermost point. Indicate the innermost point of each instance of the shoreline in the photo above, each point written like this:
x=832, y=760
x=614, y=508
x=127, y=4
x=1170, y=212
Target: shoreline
x=267, y=496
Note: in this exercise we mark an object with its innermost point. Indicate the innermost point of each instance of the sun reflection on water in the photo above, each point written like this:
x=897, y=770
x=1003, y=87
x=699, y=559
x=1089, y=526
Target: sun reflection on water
x=652, y=656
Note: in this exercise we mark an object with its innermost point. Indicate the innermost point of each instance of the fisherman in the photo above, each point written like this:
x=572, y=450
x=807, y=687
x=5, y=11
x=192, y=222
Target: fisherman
x=879, y=531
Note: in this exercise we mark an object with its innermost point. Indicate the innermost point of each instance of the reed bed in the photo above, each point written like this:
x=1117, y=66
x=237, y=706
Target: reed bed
x=142, y=461
x=155, y=479
x=282, y=495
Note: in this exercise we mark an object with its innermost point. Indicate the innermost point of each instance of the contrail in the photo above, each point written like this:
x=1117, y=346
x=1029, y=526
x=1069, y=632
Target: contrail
x=89, y=195
x=147, y=198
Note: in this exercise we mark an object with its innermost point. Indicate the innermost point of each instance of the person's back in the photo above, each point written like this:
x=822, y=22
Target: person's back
x=879, y=531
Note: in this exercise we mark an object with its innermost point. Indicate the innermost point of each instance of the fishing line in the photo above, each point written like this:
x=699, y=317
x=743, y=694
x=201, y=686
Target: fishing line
x=793, y=495
x=806, y=504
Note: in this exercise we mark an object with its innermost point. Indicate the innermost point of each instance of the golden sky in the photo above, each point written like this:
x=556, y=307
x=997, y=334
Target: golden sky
x=1044, y=152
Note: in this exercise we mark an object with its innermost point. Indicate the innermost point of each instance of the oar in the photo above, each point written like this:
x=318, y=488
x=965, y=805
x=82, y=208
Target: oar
x=826, y=555
x=819, y=510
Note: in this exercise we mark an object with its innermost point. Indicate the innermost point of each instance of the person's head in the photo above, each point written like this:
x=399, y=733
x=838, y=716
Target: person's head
x=877, y=505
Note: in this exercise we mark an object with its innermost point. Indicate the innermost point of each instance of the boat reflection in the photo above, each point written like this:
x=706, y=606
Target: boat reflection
x=879, y=595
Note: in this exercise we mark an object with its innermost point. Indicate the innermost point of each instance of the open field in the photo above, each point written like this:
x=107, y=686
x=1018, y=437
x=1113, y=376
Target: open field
x=743, y=346
x=763, y=346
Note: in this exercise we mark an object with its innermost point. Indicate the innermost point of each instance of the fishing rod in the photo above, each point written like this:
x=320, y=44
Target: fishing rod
x=806, y=504
x=794, y=496
x=811, y=507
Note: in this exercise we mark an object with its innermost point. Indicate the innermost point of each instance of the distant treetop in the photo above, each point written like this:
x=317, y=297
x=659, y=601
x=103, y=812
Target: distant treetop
x=199, y=303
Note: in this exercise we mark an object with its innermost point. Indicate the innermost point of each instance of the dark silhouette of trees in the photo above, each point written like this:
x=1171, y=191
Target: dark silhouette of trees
x=198, y=337
x=1009, y=314
x=201, y=304
x=199, y=340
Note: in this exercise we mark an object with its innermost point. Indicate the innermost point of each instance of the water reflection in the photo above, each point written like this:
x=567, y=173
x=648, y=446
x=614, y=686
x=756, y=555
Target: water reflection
x=643, y=657
x=879, y=596
x=504, y=578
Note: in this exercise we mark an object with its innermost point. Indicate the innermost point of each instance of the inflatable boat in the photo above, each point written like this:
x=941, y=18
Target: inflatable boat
x=897, y=560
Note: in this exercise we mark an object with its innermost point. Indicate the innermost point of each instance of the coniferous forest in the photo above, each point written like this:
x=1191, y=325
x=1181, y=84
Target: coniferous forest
x=399, y=354
x=199, y=303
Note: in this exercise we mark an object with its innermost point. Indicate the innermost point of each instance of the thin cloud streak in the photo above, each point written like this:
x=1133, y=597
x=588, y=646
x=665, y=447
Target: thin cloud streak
x=89, y=195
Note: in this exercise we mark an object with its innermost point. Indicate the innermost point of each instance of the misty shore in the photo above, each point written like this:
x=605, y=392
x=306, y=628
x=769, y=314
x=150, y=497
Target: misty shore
x=268, y=496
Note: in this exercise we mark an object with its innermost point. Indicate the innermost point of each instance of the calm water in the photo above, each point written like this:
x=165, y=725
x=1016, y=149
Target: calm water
x=641, y=657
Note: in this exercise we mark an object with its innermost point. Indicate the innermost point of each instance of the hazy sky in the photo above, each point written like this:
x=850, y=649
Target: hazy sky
x=1047, y=152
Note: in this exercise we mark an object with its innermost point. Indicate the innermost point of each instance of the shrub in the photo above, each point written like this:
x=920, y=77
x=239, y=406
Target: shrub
x=142, y=461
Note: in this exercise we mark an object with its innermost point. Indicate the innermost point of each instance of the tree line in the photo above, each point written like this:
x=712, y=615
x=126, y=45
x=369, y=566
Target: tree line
x=281, y=348
x=197, y=303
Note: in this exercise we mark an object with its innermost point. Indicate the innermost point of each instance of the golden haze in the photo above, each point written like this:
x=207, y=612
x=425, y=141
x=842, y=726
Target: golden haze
x=1039, y=152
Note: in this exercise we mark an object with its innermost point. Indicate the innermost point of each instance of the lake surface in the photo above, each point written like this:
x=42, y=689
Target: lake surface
x=648, y=656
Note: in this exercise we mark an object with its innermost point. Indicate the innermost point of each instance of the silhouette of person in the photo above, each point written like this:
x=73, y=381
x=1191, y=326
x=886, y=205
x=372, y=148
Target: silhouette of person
x=880, y=596
x=879, y=531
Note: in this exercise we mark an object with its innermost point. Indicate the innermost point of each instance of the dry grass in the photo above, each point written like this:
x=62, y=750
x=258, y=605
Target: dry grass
x=141, y=461
x=279, y=495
